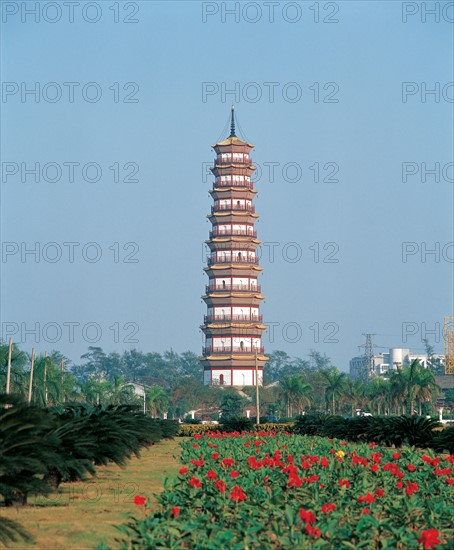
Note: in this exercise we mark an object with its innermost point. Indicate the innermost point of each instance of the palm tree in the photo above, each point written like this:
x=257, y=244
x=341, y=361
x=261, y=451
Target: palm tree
x=354, y=391
x=426, y=387
x=411, y=385
x=18, y=373
x=335, y=388
x=157, y=400
x=295, y=392
x=380, y=393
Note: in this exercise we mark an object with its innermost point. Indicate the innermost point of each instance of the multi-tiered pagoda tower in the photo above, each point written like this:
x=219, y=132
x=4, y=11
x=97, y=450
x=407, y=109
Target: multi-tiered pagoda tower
x=233, y=353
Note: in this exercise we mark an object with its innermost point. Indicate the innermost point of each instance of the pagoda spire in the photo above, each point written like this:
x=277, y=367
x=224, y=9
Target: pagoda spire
x=232, y=123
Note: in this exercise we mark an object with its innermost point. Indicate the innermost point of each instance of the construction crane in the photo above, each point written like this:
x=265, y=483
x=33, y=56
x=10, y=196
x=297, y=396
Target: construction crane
x=448, y=337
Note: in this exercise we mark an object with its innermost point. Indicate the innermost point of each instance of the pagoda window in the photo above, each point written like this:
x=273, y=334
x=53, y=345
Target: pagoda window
x=223, y=344
x=256, y=343
x=222, y=283
x=240, y=283
x=222, y=312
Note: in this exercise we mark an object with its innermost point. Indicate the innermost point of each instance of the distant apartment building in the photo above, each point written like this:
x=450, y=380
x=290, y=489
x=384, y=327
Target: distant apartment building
x=384, y=362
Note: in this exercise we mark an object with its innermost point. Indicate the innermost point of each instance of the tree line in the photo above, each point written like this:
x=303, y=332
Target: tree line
x=173, y=384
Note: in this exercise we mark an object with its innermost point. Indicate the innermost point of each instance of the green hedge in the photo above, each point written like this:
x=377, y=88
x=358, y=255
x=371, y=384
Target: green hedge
x=384, y=430
x=189, y=430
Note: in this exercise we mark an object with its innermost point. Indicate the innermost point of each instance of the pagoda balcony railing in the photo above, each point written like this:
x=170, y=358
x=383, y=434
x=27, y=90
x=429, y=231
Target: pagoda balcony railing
x=243, y=207
x=240, y=288
x=220, y=183
x=232, y=259
x=233, y=317
x=233, y=232
x=231, y=349
x=219, y=160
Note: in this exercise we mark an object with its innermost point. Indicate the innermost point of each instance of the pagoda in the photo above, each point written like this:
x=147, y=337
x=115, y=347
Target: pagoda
x=233, y=354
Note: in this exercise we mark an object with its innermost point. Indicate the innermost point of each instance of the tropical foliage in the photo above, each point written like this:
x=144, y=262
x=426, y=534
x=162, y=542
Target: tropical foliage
x=40, y=448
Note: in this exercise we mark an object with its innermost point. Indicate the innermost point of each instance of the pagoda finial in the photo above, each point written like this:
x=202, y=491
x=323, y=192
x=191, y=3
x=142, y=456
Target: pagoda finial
x=232, y=123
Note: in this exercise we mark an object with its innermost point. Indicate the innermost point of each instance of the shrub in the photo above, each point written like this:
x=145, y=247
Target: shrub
x=25, y=454
x=444, y=441
x=236, y=424
x=189, y=430
x=310, y=424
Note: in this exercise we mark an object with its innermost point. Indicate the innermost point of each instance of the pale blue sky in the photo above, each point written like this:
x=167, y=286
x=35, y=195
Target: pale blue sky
x=170, y=52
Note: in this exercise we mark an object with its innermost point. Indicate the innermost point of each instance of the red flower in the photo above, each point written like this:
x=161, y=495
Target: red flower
x=215, y=455
x=369, y=498
x=140, y=500
x=227, y=462
x=411, y=488
x=429, y=538
x=197, y=463
x=449, y=480
x=197, y=436
x=313, y=531
x=344, y=483
x=324, y=462
x=379, y=492
x=411, y=467
x=220, y=485
x=175, y=511
x=396, y=456
x=376, y=457
x=374, y=468
x=442, y=472
x=183, y=470
x=234, y=473
x=211, y=474
x=294, y=481
x=195, y=446
x=195, y=482
x=399, y=484
x=326, y=508
x=307, y=516
x=237, y=494
x=372, y=445
x=365, y=511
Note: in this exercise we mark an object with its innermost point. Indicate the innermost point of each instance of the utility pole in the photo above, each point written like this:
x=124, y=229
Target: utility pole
x=45, y=377
x=62, y=369
x=30, y=388
x=257, y=394
x=8, y=375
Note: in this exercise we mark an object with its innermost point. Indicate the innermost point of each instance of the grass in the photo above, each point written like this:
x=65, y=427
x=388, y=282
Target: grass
x=82, y=515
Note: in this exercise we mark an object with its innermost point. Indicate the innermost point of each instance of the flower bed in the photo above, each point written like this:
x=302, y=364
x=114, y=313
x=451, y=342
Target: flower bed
x=267, y=490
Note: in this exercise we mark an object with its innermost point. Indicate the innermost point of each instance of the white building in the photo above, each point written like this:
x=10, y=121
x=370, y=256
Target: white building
x=382, y=363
